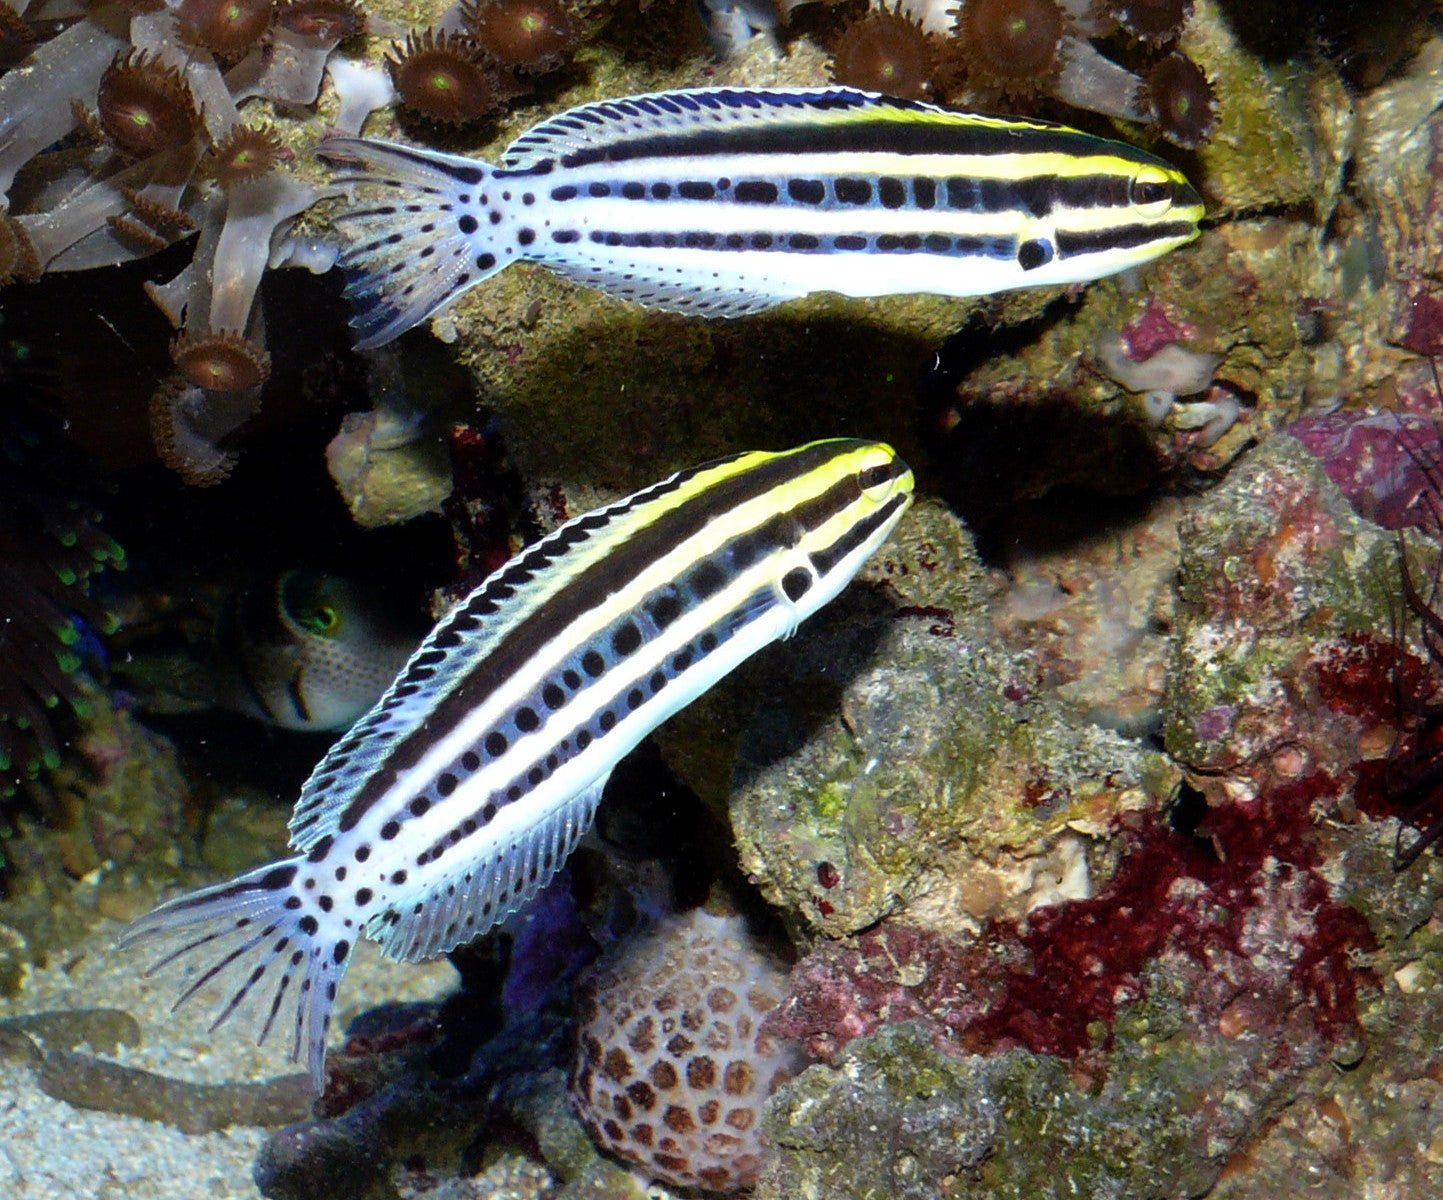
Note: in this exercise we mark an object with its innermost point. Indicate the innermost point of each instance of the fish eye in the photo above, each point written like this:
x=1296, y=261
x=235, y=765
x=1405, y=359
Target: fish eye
x=321, y=619
x=877, y=483
x=1151, y=191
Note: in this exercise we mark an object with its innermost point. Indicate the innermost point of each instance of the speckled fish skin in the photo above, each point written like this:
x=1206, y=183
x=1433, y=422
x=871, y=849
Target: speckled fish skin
x=457, y=797
x=308, y=652
x=727, y=201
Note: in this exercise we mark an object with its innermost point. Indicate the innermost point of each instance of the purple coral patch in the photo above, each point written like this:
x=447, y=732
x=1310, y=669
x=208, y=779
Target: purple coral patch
x=1213, y=724
x=1424, y=331
x=1386, y=463
x=1153, y=330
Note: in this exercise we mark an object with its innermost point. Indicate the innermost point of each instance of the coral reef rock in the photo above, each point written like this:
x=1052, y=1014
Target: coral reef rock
x=908, y=762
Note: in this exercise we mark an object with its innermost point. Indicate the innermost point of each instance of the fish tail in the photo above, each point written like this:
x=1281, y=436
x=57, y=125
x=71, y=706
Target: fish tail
x=264, y=946
x=426, y=238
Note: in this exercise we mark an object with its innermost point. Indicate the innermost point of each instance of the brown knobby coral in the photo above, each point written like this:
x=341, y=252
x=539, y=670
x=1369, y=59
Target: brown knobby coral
x=1180, y=101
x=220, y=362
x=1010, y=53
x=145, y=106
x=160, y=97
x=1014, y=46
x=245, y=155
x=1155, y=21
x=227, y=28
x=18, y=259
x=324, y=20
x=188, y=426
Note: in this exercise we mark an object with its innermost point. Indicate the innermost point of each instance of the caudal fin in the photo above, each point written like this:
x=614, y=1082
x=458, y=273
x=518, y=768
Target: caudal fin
x=260, y=942
x=421, y=240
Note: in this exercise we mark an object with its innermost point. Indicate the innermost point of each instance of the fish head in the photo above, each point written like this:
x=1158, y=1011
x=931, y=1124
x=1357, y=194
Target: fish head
x=882, y=476
x=312, y=651
x=1116, y=209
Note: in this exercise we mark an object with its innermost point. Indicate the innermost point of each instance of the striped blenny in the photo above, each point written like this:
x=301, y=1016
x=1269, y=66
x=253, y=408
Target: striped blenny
x=455, y=799
x=727, y=201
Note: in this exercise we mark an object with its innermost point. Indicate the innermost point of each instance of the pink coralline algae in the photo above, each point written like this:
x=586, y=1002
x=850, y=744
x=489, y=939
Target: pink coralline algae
x=1155, y=327
x=1423, y=332
x=1386, y=463
x=1238, y=909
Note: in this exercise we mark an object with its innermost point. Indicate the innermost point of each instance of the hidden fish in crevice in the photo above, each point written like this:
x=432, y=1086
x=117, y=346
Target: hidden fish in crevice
x=302, y=650
x=458, y=796
x=728, y=201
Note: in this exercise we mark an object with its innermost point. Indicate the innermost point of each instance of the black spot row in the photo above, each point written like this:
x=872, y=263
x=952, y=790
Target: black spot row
x=1037, y=194
x=466, y=617
x=625, y=638
x=884, y=243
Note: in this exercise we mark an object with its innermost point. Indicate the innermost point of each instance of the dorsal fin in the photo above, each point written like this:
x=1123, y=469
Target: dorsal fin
x=613, y=122
x=462, y=637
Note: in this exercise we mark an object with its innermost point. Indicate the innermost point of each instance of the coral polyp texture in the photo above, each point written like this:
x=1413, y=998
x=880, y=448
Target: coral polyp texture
x=886, y=51
x=533, y=36
x=1014, y=46
x=1002, y=54
x=673, y=1063
x=1156, y=21
x=227, y=28
x=448, y=78
x=145, y=106
x=133, y=127
x=50, y=548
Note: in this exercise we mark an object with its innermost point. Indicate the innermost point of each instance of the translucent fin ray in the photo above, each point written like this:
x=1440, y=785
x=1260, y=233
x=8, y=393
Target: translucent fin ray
x=253, y=942
x=409, y=253
x=461, y=906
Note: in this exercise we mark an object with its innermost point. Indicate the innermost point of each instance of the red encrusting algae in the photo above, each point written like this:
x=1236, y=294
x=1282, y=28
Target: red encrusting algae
x=1238, y=908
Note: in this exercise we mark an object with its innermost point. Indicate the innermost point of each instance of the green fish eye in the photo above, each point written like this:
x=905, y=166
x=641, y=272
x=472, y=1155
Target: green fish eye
x=321, y=619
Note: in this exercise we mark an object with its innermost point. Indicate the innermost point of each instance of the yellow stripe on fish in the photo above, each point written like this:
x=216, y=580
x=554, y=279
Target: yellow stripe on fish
x=728, y=201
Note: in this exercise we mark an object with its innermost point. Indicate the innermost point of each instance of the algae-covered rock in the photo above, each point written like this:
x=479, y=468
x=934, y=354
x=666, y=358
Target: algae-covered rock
x=1313, y=284
x=1141, y=1036
x=1282, y=135
x=110, y=814
x=1372, y=1128
x=1009, y=1127
x=1281, y=582
x=1205, y=1082
x=1088, y=594
x=905, y=761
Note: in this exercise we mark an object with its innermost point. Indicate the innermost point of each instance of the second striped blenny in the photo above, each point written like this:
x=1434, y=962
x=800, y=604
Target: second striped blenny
x=457, y=797
x=727, y=201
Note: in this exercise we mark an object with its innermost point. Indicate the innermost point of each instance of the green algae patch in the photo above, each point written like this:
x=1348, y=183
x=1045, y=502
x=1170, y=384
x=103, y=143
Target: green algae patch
x=935, y=781
x=1282, y=132
x=1013, y=1126
x=601, y=395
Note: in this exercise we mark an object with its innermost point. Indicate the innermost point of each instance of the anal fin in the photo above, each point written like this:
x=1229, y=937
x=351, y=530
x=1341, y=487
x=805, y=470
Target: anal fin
x=483, y=891
x=720, y=290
